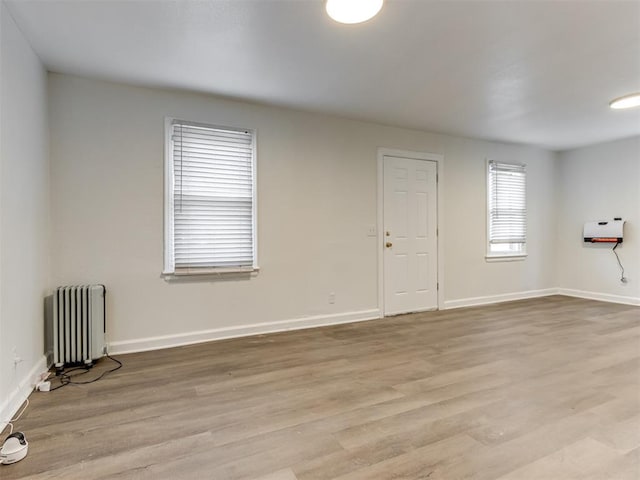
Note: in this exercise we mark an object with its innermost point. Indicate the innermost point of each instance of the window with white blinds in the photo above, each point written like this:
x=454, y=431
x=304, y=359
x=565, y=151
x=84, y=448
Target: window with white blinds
x=507, y=209
x=209, y=199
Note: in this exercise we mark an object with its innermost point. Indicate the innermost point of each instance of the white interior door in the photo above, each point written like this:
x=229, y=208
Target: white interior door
x=410, y=235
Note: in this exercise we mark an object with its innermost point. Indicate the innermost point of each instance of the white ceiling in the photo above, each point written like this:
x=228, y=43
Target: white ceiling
x=534, y=72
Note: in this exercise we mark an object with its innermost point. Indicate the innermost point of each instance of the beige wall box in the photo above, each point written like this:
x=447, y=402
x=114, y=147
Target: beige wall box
x=605, y=231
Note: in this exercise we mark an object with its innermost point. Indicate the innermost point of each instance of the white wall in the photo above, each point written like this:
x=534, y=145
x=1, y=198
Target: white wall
x=317, y=195
x=469, y=279
x=599, y=183
x=24, y=214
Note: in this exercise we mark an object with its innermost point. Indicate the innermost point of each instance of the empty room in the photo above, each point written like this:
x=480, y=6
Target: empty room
x=319, y=239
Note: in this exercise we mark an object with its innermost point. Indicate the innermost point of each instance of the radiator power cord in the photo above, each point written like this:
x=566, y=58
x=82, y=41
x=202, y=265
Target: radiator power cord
x=66, y=377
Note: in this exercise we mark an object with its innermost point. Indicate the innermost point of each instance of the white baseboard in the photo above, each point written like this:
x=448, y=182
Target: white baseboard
x=168, y=341
x=190, y=338
x=603, y=297
x=508, y=297
x=505, y=297
x=18, y=395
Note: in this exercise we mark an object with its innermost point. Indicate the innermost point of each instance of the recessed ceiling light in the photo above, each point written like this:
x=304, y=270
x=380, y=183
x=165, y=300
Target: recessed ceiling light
x=353, y=11
x=628, y=101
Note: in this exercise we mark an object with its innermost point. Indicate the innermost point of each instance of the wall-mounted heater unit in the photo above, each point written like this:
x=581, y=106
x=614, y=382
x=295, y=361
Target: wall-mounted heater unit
x=78, y=325
x=607, y=231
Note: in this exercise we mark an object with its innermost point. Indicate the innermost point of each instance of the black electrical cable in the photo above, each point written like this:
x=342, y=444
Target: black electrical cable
x=66, y=378
x=622, y=279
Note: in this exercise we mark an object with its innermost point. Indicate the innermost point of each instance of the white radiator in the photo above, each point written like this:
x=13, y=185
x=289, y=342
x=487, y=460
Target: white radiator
x=78, y=324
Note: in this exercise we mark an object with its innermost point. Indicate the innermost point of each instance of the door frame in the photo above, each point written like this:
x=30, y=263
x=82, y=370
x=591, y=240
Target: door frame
x=434, y=157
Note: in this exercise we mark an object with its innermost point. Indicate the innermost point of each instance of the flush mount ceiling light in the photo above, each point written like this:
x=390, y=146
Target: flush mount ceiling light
x=628, y=101
x=353, y=11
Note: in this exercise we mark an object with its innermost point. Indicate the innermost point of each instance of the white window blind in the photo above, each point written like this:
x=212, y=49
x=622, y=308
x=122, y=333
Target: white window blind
x=507, y=208
x=211, y=198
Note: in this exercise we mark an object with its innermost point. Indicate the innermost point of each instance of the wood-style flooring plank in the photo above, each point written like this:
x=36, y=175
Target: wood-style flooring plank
x=545, y=388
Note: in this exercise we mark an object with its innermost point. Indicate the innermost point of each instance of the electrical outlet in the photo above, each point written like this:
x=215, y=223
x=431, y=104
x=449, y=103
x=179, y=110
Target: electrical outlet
x=332, y=297
x=16, y=358
x=372, y=231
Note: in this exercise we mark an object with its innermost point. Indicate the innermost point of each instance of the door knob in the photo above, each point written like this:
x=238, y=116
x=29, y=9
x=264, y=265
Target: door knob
x=389, y=244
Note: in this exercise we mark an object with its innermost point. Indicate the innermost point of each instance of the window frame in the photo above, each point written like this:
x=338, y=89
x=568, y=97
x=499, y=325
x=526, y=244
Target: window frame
x=503, y=256
x=169, y=271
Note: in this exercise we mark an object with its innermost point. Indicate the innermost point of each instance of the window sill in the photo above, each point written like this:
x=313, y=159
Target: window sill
x=209, y=273
x=505, y=257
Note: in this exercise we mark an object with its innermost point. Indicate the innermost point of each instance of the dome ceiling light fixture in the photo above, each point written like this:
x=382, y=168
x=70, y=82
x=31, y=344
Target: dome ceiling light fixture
x=352, y=11
x=628, y=101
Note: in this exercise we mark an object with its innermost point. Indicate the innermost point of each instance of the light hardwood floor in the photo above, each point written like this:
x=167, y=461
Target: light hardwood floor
x=540, y=389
